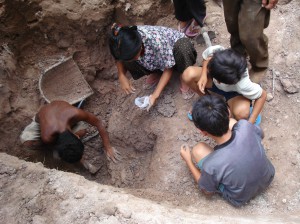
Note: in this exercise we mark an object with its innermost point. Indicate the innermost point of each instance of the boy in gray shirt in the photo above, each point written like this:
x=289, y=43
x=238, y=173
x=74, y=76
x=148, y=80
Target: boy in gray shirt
x=237, y=167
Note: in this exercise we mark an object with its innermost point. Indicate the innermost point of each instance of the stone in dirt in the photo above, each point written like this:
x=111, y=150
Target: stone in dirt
x=166, y=106
x=270, y=97
x=288, y=86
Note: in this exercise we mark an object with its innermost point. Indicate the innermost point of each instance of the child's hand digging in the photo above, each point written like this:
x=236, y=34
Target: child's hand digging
x=185, y=153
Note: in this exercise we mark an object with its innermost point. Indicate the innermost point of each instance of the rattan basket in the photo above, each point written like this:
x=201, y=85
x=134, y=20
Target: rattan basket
x=64, y=81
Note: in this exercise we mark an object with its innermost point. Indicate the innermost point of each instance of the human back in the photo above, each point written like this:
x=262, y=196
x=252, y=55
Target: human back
x=240, y=166
x=56, y=117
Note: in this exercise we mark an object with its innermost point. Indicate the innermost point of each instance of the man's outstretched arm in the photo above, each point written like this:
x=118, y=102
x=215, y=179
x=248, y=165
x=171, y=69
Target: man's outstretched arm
x=111, y=153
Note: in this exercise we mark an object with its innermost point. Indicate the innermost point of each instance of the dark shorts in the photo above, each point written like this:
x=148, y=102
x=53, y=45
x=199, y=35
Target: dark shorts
x=184, y=54
x=200, y=166
x=226, y=95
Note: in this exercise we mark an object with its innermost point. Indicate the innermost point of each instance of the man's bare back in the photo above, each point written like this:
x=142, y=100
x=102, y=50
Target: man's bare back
x=59, y=116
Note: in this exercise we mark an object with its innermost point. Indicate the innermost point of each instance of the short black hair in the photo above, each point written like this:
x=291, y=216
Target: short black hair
x=210, y=113
x=69, y=147
x=125, y=42
x=227, y=66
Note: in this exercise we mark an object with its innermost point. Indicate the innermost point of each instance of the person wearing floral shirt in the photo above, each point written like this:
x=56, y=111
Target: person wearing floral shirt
x=155, y=51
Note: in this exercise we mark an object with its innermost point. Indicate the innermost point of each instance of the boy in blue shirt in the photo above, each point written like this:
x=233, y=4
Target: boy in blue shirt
x=237, y=168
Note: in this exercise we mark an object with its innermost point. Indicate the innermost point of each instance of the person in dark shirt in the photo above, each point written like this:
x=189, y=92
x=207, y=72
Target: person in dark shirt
x=237, y=168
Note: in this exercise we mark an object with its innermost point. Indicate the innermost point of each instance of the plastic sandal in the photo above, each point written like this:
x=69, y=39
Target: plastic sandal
x=190, y=31
x=258, y=119
x=193, y=30
x=150, y=83
x=187, y=94
x=183, y=30
x=189, y=115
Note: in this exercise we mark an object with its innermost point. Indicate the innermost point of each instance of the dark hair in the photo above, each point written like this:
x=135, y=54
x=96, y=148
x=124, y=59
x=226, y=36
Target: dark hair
x=124, y=42
x=69, y=147
x=227, y=66
x=210, y=113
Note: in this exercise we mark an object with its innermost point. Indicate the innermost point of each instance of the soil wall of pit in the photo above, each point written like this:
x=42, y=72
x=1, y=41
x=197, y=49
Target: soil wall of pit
x=36, y=34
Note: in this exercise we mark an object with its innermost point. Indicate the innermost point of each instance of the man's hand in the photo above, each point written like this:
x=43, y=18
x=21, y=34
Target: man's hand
x=269, y=4
x=112, y=154
x=126, y=85
x=185, y=153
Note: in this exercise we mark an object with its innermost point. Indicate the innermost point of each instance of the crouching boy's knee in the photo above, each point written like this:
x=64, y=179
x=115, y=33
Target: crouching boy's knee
x=242, y=112
x=200, y=151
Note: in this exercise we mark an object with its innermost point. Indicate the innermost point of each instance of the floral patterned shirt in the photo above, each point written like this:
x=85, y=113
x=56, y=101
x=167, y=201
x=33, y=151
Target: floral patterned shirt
x=158, y=47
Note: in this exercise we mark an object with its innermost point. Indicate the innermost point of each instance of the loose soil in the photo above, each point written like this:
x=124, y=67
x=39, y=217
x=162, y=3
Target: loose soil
x=151, y=166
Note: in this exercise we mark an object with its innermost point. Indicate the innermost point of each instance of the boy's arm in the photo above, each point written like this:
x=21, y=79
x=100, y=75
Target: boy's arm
x=186, y=156
x=163, y=81
x=258, y=105
x=111, y=153
x=203, y=77
x=125, y=83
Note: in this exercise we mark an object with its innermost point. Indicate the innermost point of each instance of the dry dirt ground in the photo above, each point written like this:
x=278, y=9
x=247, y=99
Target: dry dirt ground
x=33, y=38
x=32, y=194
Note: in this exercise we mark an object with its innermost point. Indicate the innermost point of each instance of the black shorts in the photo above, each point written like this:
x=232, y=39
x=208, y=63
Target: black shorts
x=226, y=95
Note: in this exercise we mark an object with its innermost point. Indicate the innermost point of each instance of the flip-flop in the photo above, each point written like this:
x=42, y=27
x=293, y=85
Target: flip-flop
x=150, y=83
x=182, y=30
x=190, y=30
x=258, y=119
x=187, y=94
x=189, y=115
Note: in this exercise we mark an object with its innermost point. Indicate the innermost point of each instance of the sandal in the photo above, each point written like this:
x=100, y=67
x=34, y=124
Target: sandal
x=189, y=115
x=183, y=30
x=187, y=94
x=258, y=119
x=151, y=82
x=194, y=30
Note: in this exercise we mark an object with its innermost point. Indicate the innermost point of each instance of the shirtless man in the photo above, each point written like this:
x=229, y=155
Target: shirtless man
x=58, y=124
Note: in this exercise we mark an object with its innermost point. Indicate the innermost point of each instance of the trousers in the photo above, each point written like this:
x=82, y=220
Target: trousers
x=185, y=10
x=246, y=21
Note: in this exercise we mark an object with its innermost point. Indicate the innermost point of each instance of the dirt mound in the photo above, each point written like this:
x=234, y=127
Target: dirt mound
x=33, y=194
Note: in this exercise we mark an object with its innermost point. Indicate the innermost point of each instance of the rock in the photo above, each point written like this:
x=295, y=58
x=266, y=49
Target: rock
x=270, y=97
x=127, y=6
x=288, y=86
x=284, y=201
x=166, y=106
x=65, y=43
x=79, y=195
x=125, y=213
x=110, y=210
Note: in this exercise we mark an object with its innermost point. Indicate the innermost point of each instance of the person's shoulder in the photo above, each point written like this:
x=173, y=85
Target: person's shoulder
x=241, y=123
x=245, y=126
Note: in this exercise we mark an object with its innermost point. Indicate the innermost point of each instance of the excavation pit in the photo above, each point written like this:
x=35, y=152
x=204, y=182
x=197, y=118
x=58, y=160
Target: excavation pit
x=151, y=167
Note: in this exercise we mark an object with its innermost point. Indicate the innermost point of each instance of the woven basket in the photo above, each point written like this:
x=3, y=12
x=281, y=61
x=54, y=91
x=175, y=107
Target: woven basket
x=64, y=81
